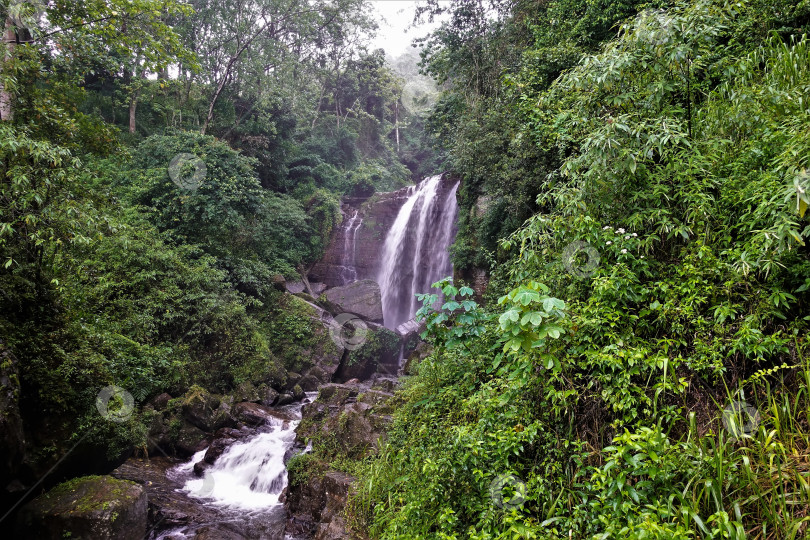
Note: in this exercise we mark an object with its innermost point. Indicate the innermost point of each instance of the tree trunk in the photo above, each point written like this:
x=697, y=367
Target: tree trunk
x=396, y=122
x=133, y=107
x=133, y=102
x=9, y=41
x=210, y=115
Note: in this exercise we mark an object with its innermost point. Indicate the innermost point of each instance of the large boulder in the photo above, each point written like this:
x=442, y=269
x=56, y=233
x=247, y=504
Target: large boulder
x=98, y=507
x=316, y=507
x=312, y=353
x=206, y=410
x=361, y=298
x=184, y=425
x=347, y=420
x=354, y=420
x=378, y=353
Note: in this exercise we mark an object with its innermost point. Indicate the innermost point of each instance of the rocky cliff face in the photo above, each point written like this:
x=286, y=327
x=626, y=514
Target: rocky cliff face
x=375, y=216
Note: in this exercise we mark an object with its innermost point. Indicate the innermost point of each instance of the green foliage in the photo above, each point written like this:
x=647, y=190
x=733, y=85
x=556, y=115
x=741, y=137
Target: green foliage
x=302, y=468
x=252, y=232
x=676, y=153
x=459, y=318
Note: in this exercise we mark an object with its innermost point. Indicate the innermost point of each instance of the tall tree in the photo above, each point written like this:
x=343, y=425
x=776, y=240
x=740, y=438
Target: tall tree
x=246, y=44
x=7, y=51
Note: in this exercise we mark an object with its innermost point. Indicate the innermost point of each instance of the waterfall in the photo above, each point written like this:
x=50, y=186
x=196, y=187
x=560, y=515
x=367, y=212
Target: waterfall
x=415, y=254
x=348, y=272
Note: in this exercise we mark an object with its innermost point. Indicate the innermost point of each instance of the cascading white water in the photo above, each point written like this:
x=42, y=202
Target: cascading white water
x=348, y=270
x=415, y=254
x=249, y=475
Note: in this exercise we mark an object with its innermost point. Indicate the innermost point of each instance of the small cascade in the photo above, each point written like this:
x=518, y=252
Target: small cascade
x=348, y=271
x=415, y=251
x=249, y=475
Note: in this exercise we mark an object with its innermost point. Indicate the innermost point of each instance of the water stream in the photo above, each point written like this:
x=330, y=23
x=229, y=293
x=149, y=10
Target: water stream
x=348, y=271
x=248, y=478
x=249, y=475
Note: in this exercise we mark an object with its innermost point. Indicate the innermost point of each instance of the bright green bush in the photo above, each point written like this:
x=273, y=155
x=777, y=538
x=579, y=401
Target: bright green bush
x=252, y=232
x=677, y=155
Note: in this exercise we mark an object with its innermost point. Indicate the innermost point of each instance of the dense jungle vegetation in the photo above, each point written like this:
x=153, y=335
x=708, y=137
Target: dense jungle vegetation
x=635, y=178
x=112, y=273
x=634, y=182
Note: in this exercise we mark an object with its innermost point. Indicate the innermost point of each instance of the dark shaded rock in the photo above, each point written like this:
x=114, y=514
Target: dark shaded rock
x=217, y=447
x=200, y=467
x=379, y=353
x=285, y=399
x=278, y=282
x=254, y=414
x=298, y=393
x=361, y=298
x=269, y=397
x=476, y=278
x=94, y=507
x=309, y=383
x=319, y=350
x=246, y=392
x=205, y=410
x=336, y=394
x=378, y=400
x=336, y=529
x=219, y=531
x=314, y=506
x=354, y=420
x=190, y=440
x=292, y=379
x=161, y=401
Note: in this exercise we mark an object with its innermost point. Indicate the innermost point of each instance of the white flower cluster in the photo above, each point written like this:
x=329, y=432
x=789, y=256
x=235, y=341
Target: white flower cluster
x=620, y=230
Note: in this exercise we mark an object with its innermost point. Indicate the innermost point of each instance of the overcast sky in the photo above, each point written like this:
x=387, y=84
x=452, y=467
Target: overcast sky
x=395, y=16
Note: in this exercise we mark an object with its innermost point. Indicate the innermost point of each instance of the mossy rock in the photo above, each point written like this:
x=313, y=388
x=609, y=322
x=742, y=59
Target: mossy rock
x=299, y=336
x=378, y=353
x=90, y=507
